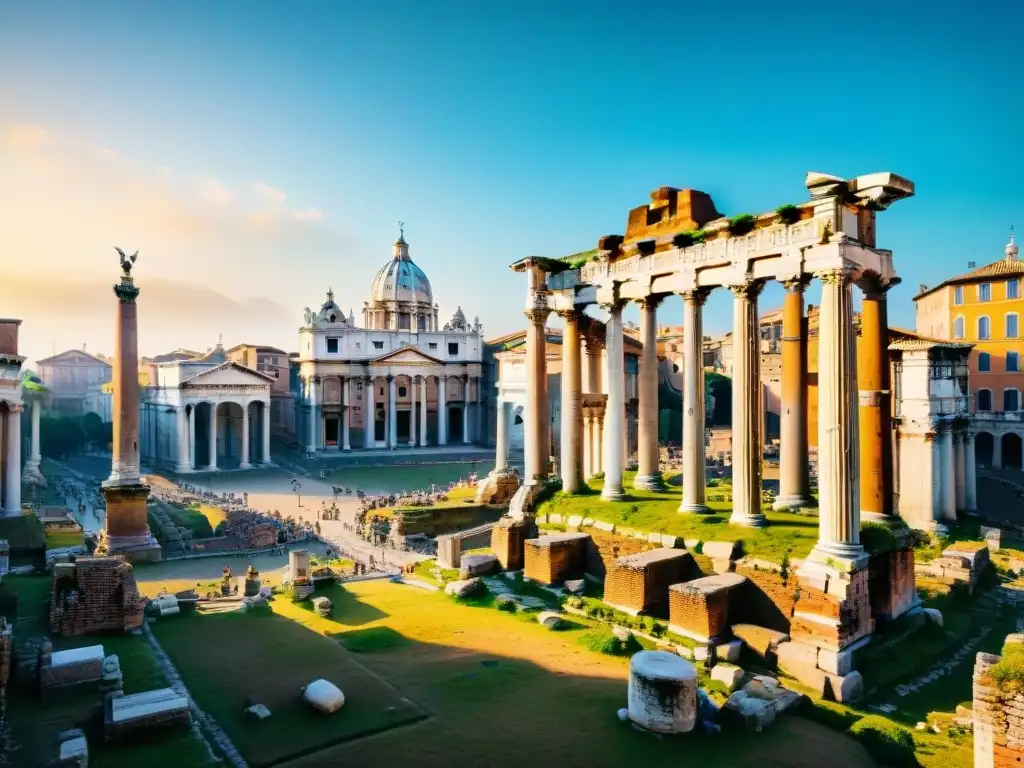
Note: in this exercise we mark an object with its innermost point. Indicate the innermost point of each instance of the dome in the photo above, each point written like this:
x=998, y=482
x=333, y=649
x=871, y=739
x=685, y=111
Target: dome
x=1011, y=249
x=330, y=312
x=400, y=280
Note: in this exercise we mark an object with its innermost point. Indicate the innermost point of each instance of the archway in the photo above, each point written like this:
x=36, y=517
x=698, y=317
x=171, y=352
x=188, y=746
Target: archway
x=257, y=415
x=405, y=410
x=229, y=435
x=984, y=449
x=202, y=454
x=456, y=423
x=1012, y=453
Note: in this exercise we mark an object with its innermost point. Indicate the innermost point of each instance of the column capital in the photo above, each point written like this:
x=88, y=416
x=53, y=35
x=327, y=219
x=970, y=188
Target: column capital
x=390, y=377
x=838, y=276
x=650, y=302
x=797, y=284
x=595, y=342
x=537, y=315
x=696, y=296
x=612, y=305
x=875, y=286
x=749, y=289
x=569, y=315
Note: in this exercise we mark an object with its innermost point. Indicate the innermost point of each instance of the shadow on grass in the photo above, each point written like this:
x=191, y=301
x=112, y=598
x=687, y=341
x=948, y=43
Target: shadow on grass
x=370, y=640
x=346, y=606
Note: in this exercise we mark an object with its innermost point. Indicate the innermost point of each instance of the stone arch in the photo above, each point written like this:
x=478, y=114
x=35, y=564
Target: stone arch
x=257, y=412
x=1013, y=451
x=984, y=449
x=229, y=434
x=456, y=410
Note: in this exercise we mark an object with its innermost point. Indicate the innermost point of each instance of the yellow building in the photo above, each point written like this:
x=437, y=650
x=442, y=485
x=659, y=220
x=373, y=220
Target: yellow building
x=983, y=307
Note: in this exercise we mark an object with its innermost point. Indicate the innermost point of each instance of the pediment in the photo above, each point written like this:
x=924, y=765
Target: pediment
x=405, y=356
x=73, y=357
x=227, y=374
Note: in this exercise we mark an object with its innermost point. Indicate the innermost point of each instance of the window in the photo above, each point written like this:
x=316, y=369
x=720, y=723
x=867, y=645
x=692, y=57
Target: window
x=332, y=346
x=1011, y=325
x=1013, y=362
x=984, y=362
x=959, y=328
x=378, y=345
x=453, y=347
x=984, y=399
x=1012, y=288
x=958, y=294
x=1011, y=400
x=402, y=391
x=421, y=322
x=432, y=345
x=984, y=328
x=985, y=292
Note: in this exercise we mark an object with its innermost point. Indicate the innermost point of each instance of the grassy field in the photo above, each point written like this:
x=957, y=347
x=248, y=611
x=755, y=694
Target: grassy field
x=58, y=539
x=376, y=480
x=229, y=661
x=658, y=511
x=34, y=725
x=457, y=497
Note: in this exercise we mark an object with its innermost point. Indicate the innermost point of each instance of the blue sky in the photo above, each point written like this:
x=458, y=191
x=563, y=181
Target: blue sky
x=502, y=130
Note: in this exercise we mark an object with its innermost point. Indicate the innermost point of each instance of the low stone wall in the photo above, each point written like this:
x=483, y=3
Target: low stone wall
x=435, y=521
x=700, y=608
x=998, y=717
x=768, y=598
x=555, y=558
x=640, y=583
x=451, y=546
x=508, y=538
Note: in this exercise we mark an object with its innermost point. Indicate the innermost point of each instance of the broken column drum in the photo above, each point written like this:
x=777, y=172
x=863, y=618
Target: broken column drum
x=662, y=692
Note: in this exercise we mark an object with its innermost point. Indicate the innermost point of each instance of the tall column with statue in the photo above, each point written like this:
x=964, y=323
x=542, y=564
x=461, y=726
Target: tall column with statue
x=127, y=528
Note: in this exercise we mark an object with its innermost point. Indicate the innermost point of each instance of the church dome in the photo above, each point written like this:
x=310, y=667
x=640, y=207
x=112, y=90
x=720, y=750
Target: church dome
x=401, y=281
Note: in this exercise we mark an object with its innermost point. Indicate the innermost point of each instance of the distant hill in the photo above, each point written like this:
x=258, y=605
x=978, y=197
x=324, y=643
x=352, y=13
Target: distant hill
x=62, y=314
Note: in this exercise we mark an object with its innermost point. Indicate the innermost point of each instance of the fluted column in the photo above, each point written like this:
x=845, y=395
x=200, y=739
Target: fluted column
x=537, y=413
x=746, y=408
x=970, y=478
x=572, y=397
x=213, y=435
x=794, y=485
x=598, y=427
x=412, y=412
x=12, y=466
x=244, y=463
x=423, y=411
x=875, y=412
x=959, y=456
x=183, y=440
x=648, y=475
x=465, y=409
x=593, y=364
x=838, y=443
x=311, y=442
x=392, y=420
x=947, y=474
x=588, y=452
x=442, y=410
x=615, y=409
x=266, y=432
x=346, y=413
x=694, y=459
x=501, y=449
x=192, y=437
x=34, y=456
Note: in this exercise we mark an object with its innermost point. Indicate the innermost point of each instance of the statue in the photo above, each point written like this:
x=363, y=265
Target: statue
x=126, y=261
x=309, y=316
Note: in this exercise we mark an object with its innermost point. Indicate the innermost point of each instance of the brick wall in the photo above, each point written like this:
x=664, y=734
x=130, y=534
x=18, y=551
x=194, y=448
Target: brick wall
x=643, y=585
x=998, y=719
x=507, y=541
x=767, y=599
x=94, y=594
x=70, y=674
x=891, y=583
x=552, y=560
x=605, y=548
x=845, y=601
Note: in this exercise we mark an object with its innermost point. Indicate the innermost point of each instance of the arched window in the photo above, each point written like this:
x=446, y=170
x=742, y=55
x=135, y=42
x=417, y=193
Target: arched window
x=1011, y=400
x=984, y=328
x=959, y=327
x=984, y=399
x=984, y=362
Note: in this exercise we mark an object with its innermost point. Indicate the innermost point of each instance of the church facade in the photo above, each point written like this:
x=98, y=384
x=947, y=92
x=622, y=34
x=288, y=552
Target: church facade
x=398, y=381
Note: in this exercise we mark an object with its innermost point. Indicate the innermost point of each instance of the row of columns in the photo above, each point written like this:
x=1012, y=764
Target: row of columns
x=187, y=437
x=391, y=418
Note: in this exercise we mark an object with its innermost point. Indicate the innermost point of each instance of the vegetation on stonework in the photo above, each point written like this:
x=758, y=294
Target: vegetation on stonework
x=577, y=260
x=432, y=573
x=1009, y=672
x=888, y=743
x=741, y=224
x=61, y=538
x=688, y=238
x=877, y=539
x=602, y=640
x=658, y=512
x=787, y=214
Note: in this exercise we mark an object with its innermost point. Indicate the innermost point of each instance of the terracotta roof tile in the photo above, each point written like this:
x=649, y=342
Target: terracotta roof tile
x=1005, y=267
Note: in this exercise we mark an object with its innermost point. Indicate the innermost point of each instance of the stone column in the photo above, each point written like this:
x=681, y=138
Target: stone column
x=593, y=365
x=184, y=462
x=412, y=412
x=746, y=408
x=192, y=437
x=970, y=478
x=615, y=409
x=392, y=414
x=694, y=456
x=346, y=413
x=369, y=414
x=442, y=409
x=465, y=409
x=794, y=485
x=213, y=436
x=12, y=466
x=125, y=462
x=960, y=482
x=838, y=443
x=266, y=432
x=598, y=427
x=312, y=443
x=34, y=457
x=536, y=411
x=572, y=397
x=947, y=474
x=423, y=411
x=588, y=428
x=501, y=449
x=648, y=475
x=875, y=412
x=997, y=451
x=244, y=455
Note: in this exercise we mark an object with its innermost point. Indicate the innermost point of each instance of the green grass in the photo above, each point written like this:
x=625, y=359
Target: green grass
x=1009, y=672
x=375, y=480
x=59, y=539
x=658, y=511
x=601, y=640
x=35, y=725
x=423, y=570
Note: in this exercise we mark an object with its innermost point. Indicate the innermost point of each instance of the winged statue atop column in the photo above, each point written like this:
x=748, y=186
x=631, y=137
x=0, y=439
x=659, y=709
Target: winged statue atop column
x=126, y=261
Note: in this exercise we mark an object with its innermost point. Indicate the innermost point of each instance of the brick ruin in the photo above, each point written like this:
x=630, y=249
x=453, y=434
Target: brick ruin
x=998, y=716
x=508, y=539
x=95, y=594
x=700, y=608
x=962, y=562
x=640, y=582
x=553, y=559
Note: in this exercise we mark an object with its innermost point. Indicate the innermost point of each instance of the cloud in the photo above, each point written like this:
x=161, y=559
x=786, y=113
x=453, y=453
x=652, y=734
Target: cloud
x=213, y=192
x=309, y=214
x=23, y=137
x=270, y=194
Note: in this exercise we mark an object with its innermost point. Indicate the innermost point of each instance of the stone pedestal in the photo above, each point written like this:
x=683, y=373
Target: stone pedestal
x=127, y=530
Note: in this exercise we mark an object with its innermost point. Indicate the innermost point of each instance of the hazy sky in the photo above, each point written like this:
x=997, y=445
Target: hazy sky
x=267, y=149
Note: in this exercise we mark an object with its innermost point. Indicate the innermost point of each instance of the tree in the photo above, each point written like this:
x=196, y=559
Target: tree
x=60, y=436
x=720, y=387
